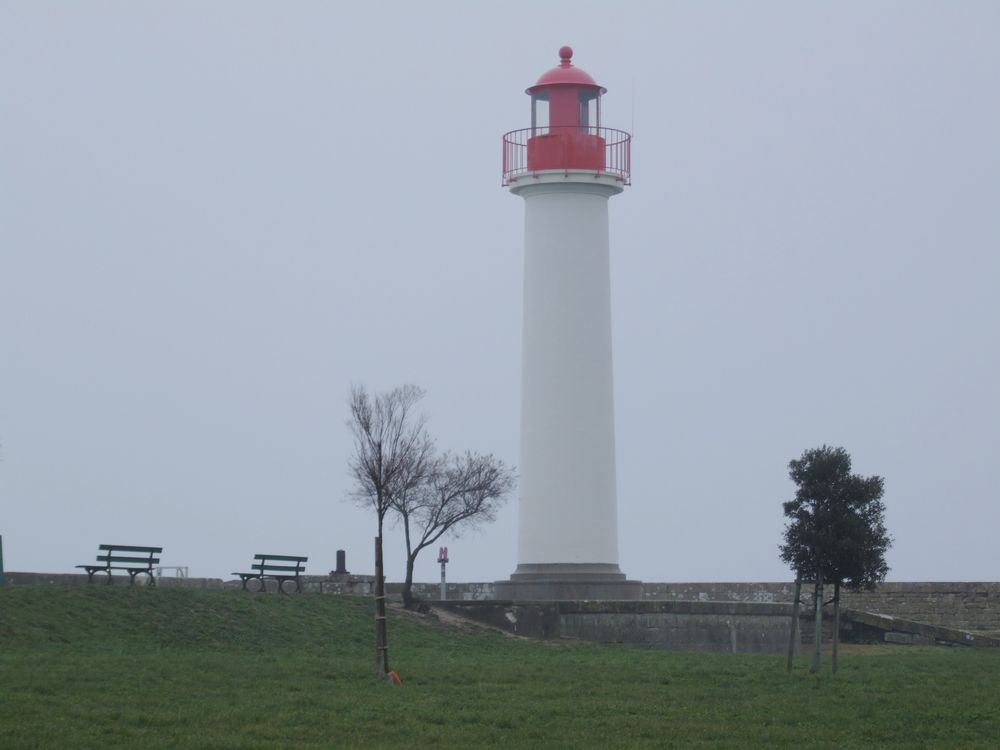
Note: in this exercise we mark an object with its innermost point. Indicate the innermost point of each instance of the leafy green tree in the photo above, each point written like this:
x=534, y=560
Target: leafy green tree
x=835, y=532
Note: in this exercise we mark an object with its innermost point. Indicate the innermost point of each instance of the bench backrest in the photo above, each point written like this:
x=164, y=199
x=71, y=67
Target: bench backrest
x=110, y=555
x=286, y=564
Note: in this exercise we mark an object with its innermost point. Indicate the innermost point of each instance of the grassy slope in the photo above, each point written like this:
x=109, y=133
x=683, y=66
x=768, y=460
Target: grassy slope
x=93, y=666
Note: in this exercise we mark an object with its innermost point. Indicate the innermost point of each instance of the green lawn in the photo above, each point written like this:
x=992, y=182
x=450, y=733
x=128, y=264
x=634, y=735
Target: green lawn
x=113, y=667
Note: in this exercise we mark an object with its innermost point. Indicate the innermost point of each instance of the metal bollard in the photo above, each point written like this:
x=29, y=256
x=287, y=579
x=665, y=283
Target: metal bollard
x=443, y=559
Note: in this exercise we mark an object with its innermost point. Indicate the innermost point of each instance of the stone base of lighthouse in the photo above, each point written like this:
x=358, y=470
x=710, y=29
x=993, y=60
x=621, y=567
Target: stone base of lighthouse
x=568, y=582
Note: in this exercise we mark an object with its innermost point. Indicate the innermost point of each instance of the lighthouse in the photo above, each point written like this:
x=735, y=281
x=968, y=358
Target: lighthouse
x=566, y=166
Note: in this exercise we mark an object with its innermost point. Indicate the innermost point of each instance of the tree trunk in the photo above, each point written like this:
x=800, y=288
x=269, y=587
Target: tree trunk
x=408, y=583
x=410, y=559
x=795, y=621
x=836, y=622
x=381, y=635
x=818, y=631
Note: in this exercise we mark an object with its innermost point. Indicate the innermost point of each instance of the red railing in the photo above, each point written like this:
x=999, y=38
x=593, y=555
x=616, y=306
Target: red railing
x=571, y=147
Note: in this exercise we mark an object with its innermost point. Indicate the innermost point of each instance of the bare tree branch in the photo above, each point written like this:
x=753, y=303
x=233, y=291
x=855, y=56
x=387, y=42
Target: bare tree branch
x=392, y=456
x=392, y=450
x=395, y=467
x=460, y=492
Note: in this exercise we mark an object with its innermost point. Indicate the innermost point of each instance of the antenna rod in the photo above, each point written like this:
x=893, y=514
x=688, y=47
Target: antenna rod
x=632, y=129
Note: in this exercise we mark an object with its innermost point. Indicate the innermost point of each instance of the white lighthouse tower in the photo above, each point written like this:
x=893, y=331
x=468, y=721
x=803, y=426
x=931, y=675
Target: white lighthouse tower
x=566, y=166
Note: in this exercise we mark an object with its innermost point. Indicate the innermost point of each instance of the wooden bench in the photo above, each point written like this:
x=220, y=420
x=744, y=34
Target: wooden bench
x=277, y=569
x=111, y=558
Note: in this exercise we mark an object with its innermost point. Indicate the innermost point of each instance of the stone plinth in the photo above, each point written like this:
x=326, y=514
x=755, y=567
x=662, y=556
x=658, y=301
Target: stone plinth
x=568, y=582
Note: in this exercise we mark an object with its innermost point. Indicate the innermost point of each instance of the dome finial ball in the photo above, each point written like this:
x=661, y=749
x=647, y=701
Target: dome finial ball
x=565, y=54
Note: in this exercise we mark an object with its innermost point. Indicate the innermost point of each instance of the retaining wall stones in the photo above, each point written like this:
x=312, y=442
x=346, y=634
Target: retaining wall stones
x=964, y=605
x=967, y=606
x=100, y=579
x=735, y=627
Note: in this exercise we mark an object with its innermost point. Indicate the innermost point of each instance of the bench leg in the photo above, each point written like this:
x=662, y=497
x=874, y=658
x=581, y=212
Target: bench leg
x=246, y=583
x=289, y=579
x=109, y=577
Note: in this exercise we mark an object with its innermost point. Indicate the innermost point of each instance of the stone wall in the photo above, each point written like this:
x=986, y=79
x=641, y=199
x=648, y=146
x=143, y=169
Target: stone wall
x=67, y=579
x=719, y=592
x=969, y=606
x=463, y=591
x=734, y=627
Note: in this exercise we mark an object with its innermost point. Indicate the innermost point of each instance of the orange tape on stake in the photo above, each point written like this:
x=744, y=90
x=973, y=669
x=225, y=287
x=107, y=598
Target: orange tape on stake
x=394, y=678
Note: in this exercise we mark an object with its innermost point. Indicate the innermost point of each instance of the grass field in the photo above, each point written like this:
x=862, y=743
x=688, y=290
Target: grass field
x=113, y=667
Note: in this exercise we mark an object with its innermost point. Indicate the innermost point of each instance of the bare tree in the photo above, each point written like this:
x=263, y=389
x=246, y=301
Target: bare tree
x=392, y=457
x=459, y=493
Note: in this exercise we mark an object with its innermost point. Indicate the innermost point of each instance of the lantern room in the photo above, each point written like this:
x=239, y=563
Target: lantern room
x=565, y=119
x=566, y=96
x=566, y=133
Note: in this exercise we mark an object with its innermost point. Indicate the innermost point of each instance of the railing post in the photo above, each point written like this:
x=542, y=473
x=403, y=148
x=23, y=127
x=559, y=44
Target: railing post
x=3, y=579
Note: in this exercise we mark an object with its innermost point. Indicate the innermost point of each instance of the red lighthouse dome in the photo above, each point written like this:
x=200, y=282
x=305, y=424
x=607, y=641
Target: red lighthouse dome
x=565, y=73
x=566, y=132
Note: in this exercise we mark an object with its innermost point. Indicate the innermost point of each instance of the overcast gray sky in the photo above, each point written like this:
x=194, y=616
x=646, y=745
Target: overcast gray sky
x=215, y=217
